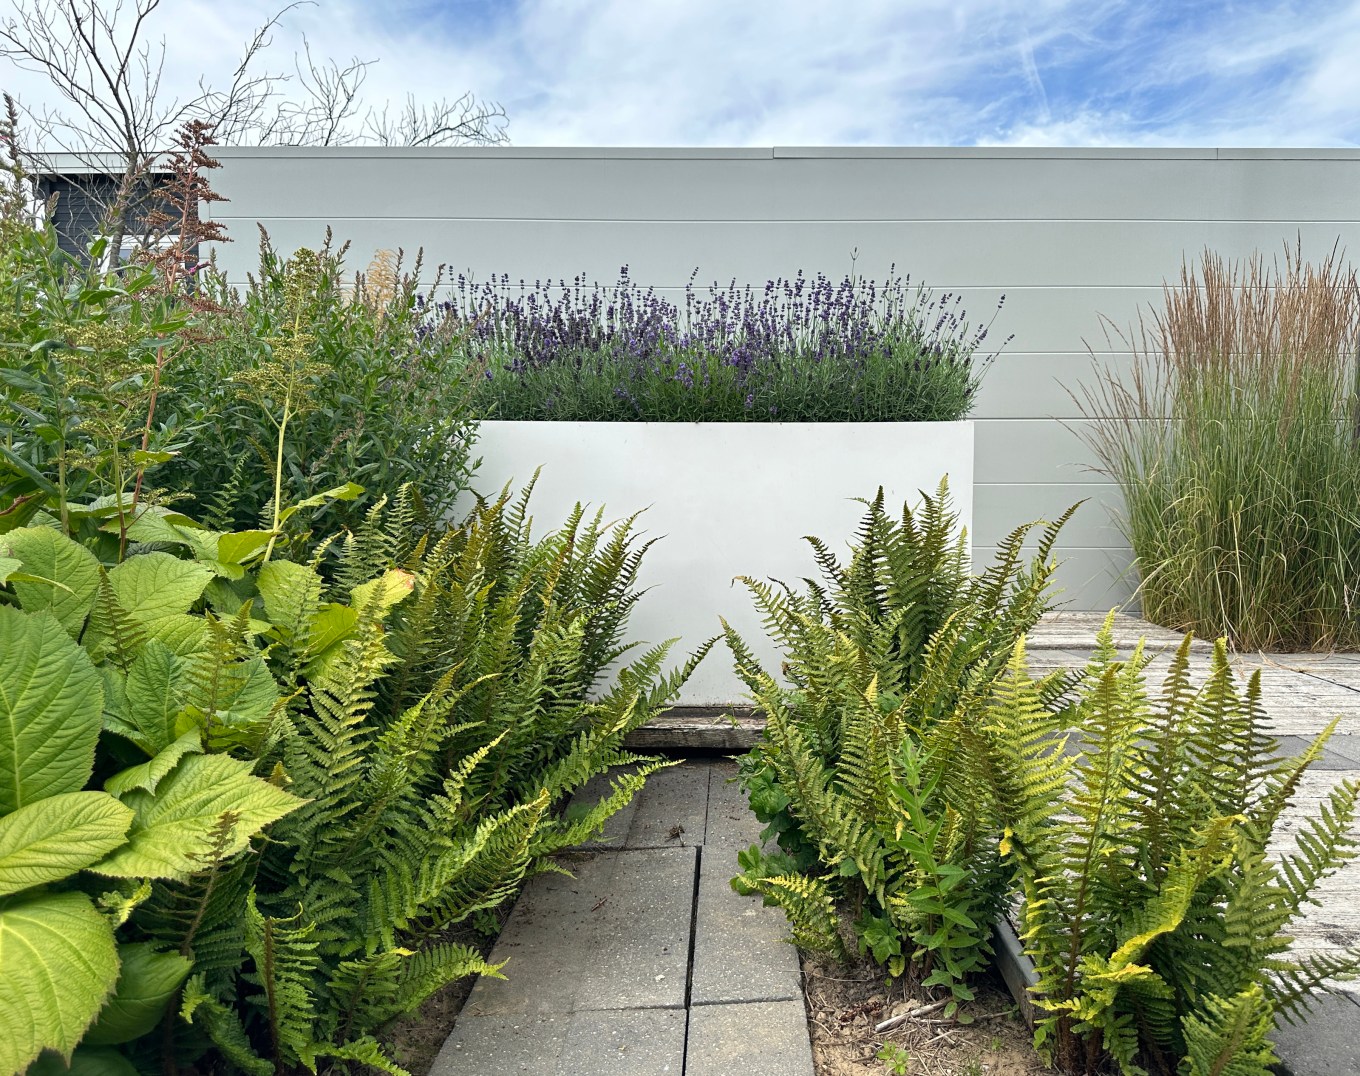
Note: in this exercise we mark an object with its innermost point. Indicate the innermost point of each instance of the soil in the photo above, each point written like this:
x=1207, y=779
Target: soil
x=846, y=1001
x=415, y=1039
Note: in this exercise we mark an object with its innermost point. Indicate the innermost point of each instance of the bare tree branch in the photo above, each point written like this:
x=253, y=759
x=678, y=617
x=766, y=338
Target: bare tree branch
x=101, y=61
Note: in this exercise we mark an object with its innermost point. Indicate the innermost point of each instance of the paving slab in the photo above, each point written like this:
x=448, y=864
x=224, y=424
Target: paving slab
x=671, y=812
x=731, y=825
x=765, y=1037
x=674, y=811
x=633, y=1042
x=614, y=936
x=741, y=951
x=1328, y=1044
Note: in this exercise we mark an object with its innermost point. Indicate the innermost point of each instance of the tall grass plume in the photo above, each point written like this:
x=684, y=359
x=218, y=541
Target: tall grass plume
x=1236, y=445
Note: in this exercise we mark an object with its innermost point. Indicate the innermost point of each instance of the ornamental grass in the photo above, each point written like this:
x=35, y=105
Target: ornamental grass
x=1234, y=443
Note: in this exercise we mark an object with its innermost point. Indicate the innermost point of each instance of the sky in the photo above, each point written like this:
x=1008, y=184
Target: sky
x=838, y=72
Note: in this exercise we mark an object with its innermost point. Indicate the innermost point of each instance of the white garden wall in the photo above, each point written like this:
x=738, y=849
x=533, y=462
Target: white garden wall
x=1067, y=235
x=727, y=499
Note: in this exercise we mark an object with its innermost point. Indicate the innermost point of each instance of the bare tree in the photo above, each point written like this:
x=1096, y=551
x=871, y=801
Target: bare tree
x=102, y=62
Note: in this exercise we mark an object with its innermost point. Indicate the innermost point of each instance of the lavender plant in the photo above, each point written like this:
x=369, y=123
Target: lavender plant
x=801, y=349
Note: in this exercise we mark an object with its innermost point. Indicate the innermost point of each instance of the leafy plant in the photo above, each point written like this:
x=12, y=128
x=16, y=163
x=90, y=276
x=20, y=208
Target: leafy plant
x=66, y=977
x=424, y=701
x=1156, y=920
x=321, y=381
x=860, y=775
x=798, y=350
x=1234, y=446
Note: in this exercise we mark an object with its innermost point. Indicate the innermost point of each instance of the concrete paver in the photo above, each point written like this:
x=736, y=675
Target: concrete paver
x=765, y=1037
x=1328, y=1044
x=616, y=935
x=630, y=1042
x=740, y=947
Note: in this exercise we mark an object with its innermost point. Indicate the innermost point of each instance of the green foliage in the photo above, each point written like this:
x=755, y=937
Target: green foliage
x=860, y=775
x=1157, y=923
x=407, y=715
x=1234, y=446
x=363, y=373
x=62, y=963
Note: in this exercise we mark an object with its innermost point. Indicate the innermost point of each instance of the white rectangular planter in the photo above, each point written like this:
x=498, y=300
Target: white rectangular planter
x=730, y=499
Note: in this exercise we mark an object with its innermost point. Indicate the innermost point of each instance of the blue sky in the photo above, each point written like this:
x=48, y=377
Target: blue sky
x=792, y=72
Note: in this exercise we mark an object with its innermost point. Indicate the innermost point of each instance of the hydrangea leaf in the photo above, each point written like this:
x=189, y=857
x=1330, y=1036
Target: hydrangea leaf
x=147, y=981
x=53, y=838
x=60, y=575
x=60, y=964
x=173, y=830
x=51, y=707
x=156, y=585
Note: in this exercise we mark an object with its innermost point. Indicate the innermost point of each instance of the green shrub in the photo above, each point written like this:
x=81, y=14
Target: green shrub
x=154, y=384
x=424, y=704
x=1234, y=446
x=1157, y=921
x=380, y=399
x=860, y=774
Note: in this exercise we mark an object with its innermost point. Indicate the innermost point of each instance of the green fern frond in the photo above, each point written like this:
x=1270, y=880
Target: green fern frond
x=811, y=911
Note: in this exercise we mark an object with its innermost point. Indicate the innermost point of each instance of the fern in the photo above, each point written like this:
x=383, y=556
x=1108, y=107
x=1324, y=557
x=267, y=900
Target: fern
x=1157, y=922
x=872, y=773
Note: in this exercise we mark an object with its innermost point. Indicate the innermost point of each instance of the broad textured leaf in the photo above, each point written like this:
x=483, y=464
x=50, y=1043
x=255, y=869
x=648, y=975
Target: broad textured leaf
x=172, y=828
x=332, y=624
x=246, y=695
x=48, y=554
x=53, y=838
x=287, y=589
x=51, y=707
x=59, y=965
x=156, y=585
x=155, y=692
x=149, y=775
x=183, y=633
x=147, y=981
x=8, y=566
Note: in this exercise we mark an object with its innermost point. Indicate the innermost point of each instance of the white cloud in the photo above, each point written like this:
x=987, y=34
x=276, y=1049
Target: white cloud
x=766, y=72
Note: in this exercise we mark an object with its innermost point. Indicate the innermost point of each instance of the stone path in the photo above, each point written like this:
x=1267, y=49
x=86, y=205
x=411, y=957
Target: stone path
x=644, y=961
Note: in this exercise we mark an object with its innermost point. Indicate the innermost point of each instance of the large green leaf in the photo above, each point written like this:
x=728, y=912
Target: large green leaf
x=147, y=981
x=53, y=838
x=289, y=592
x=59, y=965
x=156, y=585
x=246, y=694
x=156, y=684
x=149, y=775
x=51, y=704
x=50, y=555
x=174, y=828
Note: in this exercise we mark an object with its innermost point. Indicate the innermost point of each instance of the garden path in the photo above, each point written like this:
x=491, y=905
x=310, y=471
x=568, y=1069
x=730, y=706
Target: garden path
x=644, y=960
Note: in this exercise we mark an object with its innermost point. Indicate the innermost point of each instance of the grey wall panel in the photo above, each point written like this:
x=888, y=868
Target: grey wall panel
x=1089, y=579
x=1044, y=385
x=945, y=253
x=1033, y=451
x=453, y=187
x=1068, y=236
x=998, y=508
